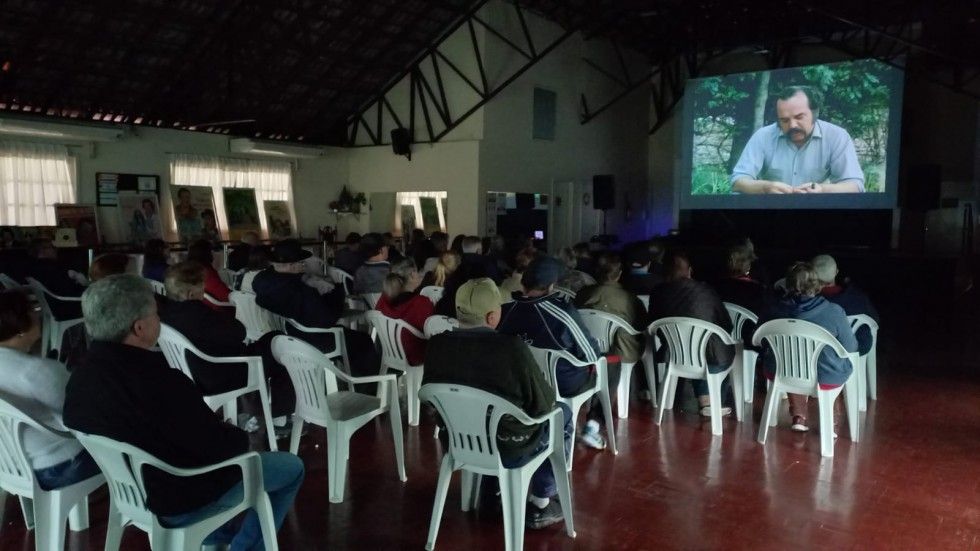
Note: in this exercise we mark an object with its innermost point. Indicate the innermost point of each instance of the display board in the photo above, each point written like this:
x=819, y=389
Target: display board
x=109, y=184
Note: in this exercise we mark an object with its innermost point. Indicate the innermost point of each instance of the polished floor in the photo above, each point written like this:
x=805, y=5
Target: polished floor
x=913, y=482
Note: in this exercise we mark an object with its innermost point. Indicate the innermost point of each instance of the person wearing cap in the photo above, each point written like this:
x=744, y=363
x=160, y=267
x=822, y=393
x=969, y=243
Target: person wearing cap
x=638, y=279
x=478, y=356
x=370, y=277
x=682, y=296
x=542, y=319
x=846, y=295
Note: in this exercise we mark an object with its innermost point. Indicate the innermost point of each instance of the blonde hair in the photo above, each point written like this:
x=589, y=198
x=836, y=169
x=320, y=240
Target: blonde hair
x=448, y=263
x=802, y=280
x=183, y=278
x=396, y=280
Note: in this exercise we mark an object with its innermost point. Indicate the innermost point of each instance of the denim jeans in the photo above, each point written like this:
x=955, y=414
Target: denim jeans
x=66, y=473
x=700, y=386
x=282, y=475
x=543, y=479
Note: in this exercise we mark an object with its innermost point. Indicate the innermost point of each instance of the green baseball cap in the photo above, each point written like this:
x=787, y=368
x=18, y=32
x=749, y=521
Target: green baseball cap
x=475, y=299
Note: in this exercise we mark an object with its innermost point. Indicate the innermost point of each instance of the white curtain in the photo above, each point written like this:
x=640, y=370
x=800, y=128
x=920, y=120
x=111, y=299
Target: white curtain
x=271, y=180
x=33, y=177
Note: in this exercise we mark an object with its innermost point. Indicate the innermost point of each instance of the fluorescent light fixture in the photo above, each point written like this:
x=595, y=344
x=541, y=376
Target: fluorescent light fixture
x=246, y=145
x=74, y=132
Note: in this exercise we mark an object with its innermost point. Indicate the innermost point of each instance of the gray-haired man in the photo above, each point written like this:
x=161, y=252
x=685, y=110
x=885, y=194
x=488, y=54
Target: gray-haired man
x=125, y=391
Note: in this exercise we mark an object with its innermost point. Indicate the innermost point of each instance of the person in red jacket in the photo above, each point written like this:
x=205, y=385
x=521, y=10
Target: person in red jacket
x=200, y=251
x=399, y=300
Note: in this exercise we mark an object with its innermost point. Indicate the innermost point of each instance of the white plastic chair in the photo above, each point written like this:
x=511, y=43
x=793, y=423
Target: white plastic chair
x=436, y=324
x=320, y=402
x=867, y=368
x=472, y=417
x=123, y=467
x=687, y=343
x=217, y=302
x=796, y=347
x=175, y=347
x=9, y=284
x=432, y=292
x=645, y=299
x=257, y=320
x=389, y=332
x=547, y=361
x=371, y=299
x=739, y=317
x=158, y=287
x=52, y=330
x=603, y=326
x=339, y=351
x=45, y=511
x=227, y=276
x=341, y=277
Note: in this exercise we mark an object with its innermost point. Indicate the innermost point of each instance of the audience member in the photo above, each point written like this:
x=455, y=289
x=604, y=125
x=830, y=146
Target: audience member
x=44, y=268
x=126, y=391
x=846, y=295
x=475, y=269
x=540, y=318
x=740, y=288
x=512, y=284
x=155, y=259
x=349, y=258
x=638, y=279
x=394, y=255
x=259, y=258
x=657, y=249
x=682, y=296
x=573, y=279
x=500, y=364
x=457, y=245
x=36, y=386
x=802, y=301
x=419, y=248
x=370, y=277
x=399, y=300
x=584, y=262
x=448, y=263
x=107, y=264
x=238, y=257
x=217, y=334
x=475, y=262
x=200, y=252
x=438, y=243
x=609, y=296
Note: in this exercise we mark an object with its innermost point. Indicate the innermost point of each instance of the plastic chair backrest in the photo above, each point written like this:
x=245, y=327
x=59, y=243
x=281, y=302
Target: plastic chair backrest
x=796, y=346
x=41, y=294
x=121, y=464
x=859, y=320
x=158, y=288
x=389, y=332
x=432, y=292
x=341, y=277
x=739, y=316
x=471, y=416
x=645, y=299
x=313, y=375
x=175, y=346
x=371, y=299
x=227, y=276
x=257, y=320
x=436, y=324
x=687, y=340
x=8, y=282
x=603, y=326
x=16, y=475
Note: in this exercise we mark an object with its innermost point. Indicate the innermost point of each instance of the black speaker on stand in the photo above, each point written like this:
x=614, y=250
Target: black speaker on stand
x=401, y=142
x=603, y=195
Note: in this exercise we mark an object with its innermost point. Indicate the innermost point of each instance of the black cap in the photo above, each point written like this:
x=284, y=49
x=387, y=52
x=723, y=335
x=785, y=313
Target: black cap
x=288, y=251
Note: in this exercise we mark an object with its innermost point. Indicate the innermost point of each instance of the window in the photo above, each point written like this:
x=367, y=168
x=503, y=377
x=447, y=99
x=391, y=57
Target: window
x=271, y=180
x=421, y=209
x=33, y=177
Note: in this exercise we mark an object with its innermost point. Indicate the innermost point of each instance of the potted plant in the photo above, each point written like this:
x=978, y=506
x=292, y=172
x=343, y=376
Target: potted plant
x=359, y=200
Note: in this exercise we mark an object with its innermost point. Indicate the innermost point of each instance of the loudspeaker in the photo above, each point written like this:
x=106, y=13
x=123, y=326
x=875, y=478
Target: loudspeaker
x=401, y=142
x=603, y=192
x=924, y=186
x=524, y=201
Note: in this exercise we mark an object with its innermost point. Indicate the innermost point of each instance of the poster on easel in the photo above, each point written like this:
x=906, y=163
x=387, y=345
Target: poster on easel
x=241, y=211
x=430, y=214
x=139, y=216
x=194, y=213
x=278, y=219
x=80, y=218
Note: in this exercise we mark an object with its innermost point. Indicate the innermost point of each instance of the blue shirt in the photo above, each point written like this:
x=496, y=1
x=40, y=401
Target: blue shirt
x=828, y=155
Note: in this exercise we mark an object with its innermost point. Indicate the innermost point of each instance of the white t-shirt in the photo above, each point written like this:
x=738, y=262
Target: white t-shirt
x=36, y=386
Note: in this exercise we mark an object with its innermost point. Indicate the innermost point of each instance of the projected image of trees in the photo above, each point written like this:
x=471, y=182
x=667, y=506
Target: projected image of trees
x=728, y=109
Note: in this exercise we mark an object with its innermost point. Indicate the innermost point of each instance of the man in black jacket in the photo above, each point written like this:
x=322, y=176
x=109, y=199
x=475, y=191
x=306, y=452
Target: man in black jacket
x=126, y=392
x=478, y=356
x=683, y=296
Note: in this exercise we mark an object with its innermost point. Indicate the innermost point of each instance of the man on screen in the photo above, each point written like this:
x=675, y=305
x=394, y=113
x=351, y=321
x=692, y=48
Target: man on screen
x=799, y=153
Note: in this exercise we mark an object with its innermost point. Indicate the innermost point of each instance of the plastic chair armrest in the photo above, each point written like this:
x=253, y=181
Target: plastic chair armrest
x=245, y=461
x=368, y=379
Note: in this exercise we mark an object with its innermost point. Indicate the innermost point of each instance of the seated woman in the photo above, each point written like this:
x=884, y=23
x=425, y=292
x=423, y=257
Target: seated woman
x=803, y=302
x=400, y=301
x=155, y=259
x=36, y=386
x=259, y=258
x=200, y=252
x=217, y=334
x=447, y=264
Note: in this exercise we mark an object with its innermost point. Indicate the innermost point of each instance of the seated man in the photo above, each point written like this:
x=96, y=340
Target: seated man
x=610, y=297
x=638, y=279
x=218, y=334
x=848, y=296
x=370, y=277
x=540, y=318
x=45, y=268
x=349, y=258
x=282, y=290
x=238, y=257
x=475, y=261
x=475, y=355
x=681, y=296
x=127, y=392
